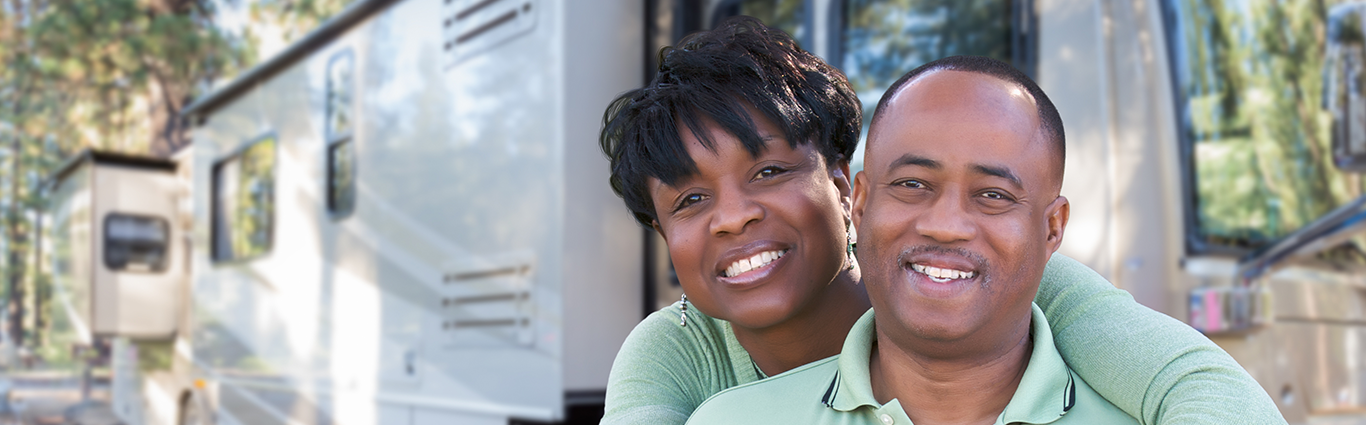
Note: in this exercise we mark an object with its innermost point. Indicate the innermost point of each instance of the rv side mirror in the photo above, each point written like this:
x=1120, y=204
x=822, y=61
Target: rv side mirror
x=1345, y=85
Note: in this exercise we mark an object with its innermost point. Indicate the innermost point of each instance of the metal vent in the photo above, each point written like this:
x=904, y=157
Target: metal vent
x=472, y=26
x=487, y=306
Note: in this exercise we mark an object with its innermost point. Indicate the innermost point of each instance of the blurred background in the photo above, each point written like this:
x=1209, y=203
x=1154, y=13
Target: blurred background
x=396, y=211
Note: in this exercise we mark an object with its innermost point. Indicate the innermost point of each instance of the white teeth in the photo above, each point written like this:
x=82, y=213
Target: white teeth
x=942, y=275
x=758, y=260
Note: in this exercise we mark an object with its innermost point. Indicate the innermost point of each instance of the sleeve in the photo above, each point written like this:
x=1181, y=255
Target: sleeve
x=1148, y=364
x=664, y=371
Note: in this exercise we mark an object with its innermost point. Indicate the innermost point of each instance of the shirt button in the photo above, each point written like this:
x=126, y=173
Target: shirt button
x=886, y=419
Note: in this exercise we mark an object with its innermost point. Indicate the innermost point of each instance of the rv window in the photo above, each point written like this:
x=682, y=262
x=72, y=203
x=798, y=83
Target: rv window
x=339, y=98
x=1250, y=79
x=881, y=40
x=244, y=202
x=787, y=15
x=135, y=243
x=341, y=157
x=341, y=178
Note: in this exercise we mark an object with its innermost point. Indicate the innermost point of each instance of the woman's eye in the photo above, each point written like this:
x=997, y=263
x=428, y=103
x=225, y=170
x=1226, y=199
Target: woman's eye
x=688, y=200
x=768, y=172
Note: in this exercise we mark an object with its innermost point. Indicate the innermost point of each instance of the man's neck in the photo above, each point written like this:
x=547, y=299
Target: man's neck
x=813, y=334
x=934, y=390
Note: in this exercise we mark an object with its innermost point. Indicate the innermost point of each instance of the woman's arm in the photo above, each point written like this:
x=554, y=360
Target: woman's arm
x=664, y=371
x=1152, y=366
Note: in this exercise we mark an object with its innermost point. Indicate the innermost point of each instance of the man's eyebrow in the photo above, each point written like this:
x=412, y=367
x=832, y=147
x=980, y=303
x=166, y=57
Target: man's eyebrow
x=913, y=159
x=998, y=171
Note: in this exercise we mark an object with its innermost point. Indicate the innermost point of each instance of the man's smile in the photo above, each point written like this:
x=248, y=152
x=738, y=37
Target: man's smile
x=942, y=275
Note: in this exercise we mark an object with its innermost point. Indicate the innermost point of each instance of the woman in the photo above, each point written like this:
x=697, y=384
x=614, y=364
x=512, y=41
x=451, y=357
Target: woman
x=737, y=154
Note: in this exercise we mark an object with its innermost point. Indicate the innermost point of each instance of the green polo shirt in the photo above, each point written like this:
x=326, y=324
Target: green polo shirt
x=837, y=390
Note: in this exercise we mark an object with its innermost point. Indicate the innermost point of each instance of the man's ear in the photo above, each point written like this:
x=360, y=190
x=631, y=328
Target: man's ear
x=860, y=198
x=1057, y=213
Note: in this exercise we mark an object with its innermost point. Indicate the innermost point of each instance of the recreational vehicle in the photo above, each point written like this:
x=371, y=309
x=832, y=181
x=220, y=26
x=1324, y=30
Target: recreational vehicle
x=404, y=218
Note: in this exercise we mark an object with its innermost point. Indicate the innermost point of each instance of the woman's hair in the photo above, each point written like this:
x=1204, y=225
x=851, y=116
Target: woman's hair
x=714, y=75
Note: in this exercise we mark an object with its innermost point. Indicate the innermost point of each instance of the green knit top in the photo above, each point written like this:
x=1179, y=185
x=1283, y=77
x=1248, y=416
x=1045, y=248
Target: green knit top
x=1153, y=367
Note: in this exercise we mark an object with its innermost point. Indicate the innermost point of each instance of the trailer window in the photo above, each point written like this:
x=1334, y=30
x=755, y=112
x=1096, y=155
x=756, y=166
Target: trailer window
x=1249, y=80
x=341, y=178
x=244, y=202
x=881, y=40
x=787, y=15
x=135, y=243
x=341, y=157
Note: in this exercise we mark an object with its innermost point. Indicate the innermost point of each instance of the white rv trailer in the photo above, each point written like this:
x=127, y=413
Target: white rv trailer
x=404, y=218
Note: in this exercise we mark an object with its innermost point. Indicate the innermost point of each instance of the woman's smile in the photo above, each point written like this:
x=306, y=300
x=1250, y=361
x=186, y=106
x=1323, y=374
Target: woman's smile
x=751, y=264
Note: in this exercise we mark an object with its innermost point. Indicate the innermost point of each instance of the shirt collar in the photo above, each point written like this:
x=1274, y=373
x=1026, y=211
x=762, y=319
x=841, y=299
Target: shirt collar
x=1046, y=391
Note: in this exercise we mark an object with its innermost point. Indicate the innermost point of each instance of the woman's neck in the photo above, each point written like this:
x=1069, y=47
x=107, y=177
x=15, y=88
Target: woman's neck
x=811, y=334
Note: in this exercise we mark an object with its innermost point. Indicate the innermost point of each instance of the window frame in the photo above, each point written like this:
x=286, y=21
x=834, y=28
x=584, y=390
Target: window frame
x=1194, y=244
x=215, y=215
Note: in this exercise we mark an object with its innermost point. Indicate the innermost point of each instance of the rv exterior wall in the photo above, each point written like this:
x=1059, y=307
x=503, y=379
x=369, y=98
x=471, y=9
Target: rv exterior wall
x=603, y=245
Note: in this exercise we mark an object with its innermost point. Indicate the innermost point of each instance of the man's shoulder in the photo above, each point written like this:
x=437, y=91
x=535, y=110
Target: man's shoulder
x=795, y=395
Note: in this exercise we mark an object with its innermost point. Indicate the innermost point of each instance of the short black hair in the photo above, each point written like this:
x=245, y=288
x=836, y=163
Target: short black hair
x=1049, y=119
x=715, y=75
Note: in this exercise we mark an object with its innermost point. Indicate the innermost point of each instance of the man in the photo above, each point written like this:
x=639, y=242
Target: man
x=958, y=211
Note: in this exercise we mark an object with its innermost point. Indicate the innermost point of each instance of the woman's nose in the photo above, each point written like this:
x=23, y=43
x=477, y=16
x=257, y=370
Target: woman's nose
x=733, y=213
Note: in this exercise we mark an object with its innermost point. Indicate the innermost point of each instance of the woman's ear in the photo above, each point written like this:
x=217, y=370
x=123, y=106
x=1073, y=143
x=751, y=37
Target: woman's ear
x=839, y=173
x=654, y=224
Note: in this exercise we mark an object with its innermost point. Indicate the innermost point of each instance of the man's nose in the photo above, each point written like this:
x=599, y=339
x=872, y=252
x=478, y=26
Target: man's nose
x=733, y=213
x=946, y=220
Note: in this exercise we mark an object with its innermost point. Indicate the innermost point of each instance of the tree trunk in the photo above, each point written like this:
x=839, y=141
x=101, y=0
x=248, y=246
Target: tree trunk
x=16, y=240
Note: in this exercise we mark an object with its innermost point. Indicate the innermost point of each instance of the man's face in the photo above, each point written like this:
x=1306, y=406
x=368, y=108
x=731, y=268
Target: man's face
x=957, y=209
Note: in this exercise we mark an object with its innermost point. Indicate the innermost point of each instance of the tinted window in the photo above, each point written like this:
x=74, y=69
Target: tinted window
x=884, y=39
x=135, y=243
x=244, y=202
x=341, y=155
x=787, y=15
x=1249, y=78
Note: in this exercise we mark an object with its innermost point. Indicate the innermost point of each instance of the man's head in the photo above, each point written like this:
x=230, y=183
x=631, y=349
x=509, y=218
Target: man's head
x=958, y=205
x=719, y=76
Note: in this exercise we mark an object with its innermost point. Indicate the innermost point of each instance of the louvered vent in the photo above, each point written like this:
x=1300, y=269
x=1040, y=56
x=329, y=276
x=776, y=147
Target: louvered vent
x=473, y=26
x=487, y=306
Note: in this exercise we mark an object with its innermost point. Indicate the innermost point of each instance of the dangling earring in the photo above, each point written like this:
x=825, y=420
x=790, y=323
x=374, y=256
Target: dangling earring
x=851, y=248
x=683, y=317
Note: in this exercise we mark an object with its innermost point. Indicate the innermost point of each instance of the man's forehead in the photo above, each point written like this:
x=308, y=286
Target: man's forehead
x=990, y=123
x=964, y=92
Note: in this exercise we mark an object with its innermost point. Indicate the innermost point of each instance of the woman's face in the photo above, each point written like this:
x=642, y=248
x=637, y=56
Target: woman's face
x=754, y=240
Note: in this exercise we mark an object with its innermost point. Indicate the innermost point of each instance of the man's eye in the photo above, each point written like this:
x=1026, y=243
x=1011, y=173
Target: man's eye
x=769, y=172
x=996, y=196
x=912, y=184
